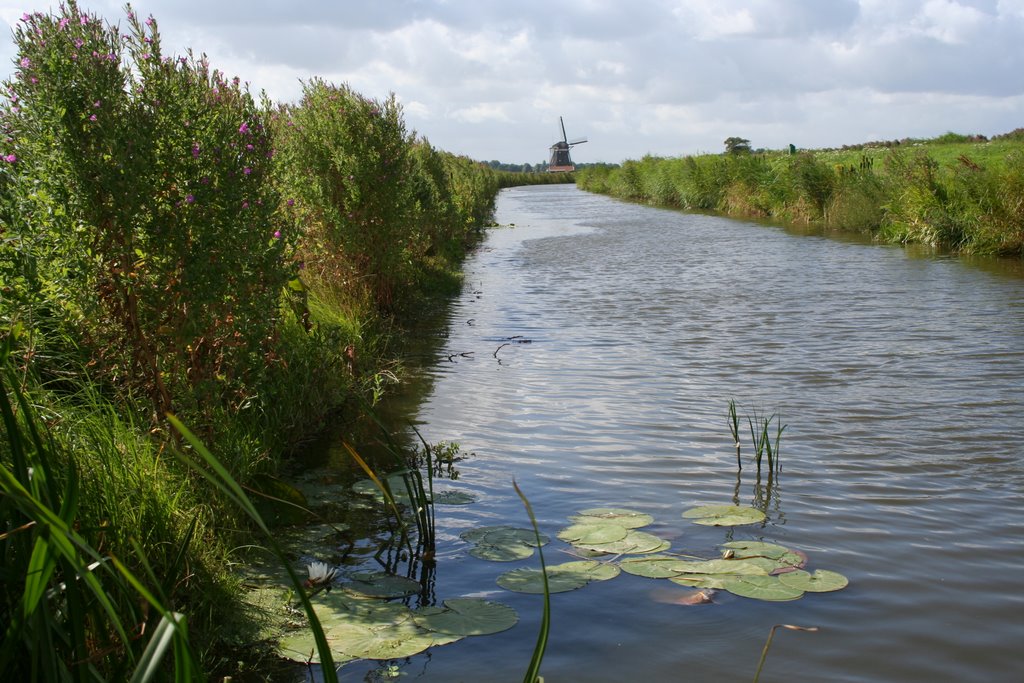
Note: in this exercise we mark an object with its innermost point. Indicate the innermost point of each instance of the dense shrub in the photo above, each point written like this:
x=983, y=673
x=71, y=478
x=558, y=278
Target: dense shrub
x=141, y=195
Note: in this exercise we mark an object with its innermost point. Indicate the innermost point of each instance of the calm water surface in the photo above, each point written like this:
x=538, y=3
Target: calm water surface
x=901, y=379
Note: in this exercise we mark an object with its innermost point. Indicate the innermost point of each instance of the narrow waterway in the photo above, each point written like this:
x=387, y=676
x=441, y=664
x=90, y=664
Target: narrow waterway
x=591, y=358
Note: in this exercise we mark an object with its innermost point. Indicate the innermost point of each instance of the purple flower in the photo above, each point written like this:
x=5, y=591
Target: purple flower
x=195, y=150
x=26, y=62
x=277, y=234
x=245, y=204
x=246, y=170
x=244, y=129
x=10, y=158
x=93, y=117
x=190, y=199
x=291, y=202
x=63, y=23
x=97, y=103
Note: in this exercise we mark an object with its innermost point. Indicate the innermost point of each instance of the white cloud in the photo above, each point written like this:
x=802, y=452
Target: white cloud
x=490, y=79
x=482, y=112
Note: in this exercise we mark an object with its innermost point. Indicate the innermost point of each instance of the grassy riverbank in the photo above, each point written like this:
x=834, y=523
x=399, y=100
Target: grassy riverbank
x=954, y=191
x=171, y=244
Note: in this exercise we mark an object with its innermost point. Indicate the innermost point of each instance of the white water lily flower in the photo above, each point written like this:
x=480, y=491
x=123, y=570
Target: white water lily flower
x=320, y=574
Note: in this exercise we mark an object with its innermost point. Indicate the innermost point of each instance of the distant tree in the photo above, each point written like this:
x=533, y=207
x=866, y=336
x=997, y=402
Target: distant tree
x=736, y=145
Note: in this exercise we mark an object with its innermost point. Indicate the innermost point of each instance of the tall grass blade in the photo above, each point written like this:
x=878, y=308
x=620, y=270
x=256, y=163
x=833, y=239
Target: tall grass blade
x=384, y=489
x=734, y=429
x=768, y=643
x=149, y=667
x=533, y=671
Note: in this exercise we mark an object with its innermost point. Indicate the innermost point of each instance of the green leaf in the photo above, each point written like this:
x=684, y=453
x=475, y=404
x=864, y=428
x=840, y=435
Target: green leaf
x=821, y=581
x=724, y=515
x=628, y=519
x=149, y=666
x=742, y=549
x=635, y=543
x=742, y=567
x=561, y=577
x=592, y=533
x=716, y=581
x=651, y=567
x=528, y=580
x=467, y=617
x=381, y=585
x=498, y=535
x=454, y=498
x=768, y=588
x=510, y=552
x=397, y=642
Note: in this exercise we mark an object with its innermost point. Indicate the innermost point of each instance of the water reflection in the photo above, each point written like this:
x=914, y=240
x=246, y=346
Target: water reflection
x=899, y=375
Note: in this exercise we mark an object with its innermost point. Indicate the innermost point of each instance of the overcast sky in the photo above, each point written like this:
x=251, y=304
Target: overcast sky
x=489, y=79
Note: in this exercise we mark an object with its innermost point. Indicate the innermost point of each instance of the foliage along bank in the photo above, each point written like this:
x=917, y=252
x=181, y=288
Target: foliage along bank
x=952, y=192
x=171, y=244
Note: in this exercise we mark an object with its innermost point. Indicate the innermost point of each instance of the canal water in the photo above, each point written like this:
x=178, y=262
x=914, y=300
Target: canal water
x=591, y=358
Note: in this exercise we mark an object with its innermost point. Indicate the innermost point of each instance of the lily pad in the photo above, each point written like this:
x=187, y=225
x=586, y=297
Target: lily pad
x=529, y=580
x=405, y=640
x=300, y=646
x=381, y=585
x=592, y=569
x=592, y=533
x=742, y=549
x=821, y=581
x=474, y=535
x=452, y=497
x=628, y=519
x=561, y=577
x=395, y=483
x=503, y=553
x=716, y=581
x=359, y=628
x=724, y=515
x=732, y=567
x=635, y=543
x=768, y=588
x=499, y=535
x=502, y=543
x=467, y=617
x=651, y=567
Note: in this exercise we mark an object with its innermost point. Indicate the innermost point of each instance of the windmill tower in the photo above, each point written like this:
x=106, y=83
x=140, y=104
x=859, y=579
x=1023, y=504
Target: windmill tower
x=561, y=162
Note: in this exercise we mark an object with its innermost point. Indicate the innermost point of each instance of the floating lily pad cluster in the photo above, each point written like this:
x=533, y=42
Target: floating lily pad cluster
x=358, y=626
x=612, y=531
x=752, y=569
x=724, y=515
x=502, y=543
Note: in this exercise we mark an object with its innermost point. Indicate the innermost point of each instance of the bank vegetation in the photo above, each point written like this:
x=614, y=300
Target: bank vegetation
x=957, y=192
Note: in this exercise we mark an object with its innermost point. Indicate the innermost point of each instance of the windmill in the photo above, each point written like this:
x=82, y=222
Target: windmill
x=560, y=160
